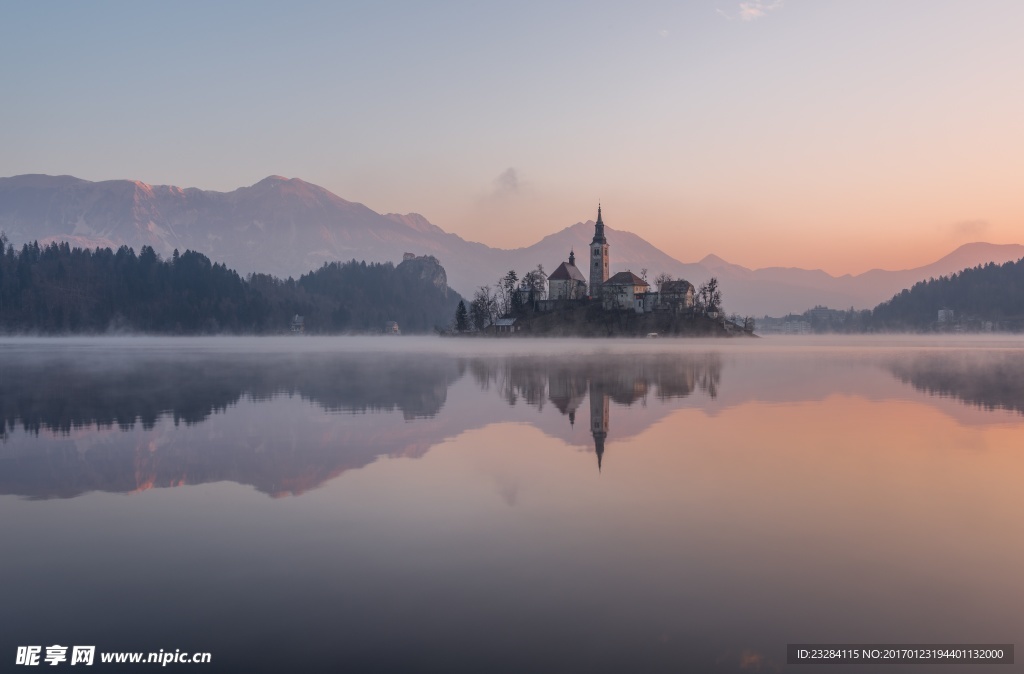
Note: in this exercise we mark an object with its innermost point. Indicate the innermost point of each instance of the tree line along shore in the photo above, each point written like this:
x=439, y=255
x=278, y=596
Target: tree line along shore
x=58, y=289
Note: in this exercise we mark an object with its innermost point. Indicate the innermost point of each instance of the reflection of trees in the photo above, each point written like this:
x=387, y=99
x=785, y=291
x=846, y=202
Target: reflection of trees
x=275, y=448
x=625, y=379
x=520, y=383
x=271, y=447
x=989, y=380
x=64, y=394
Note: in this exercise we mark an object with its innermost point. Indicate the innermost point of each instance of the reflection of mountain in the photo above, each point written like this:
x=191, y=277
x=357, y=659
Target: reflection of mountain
x=245, y=418
x=287, y=447
x=280, y=446
x=285, y=423
x=100, y=419
x=988, y=380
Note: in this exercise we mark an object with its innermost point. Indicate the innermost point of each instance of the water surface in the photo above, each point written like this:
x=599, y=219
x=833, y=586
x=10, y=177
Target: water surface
x=468, y=505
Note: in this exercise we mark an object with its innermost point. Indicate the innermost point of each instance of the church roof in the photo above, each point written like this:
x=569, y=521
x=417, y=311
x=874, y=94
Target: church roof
x=626, y=278
x=567, y=272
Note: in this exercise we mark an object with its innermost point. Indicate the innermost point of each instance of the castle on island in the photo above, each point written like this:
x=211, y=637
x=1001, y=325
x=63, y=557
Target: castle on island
x=624, y=290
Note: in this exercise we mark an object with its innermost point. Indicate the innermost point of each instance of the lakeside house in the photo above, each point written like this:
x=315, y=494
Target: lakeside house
x=505, y=326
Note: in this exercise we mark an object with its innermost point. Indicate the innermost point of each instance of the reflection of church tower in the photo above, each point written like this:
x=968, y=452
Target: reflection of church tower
x=598, y=419
x=598, y=257
x=566, y=391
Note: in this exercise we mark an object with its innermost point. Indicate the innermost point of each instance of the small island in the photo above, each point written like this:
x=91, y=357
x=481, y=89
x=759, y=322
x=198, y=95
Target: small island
x=564, y=304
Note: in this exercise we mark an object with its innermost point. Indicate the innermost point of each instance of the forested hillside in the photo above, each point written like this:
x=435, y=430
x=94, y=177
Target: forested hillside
x=57, y=289
x=984, y=298
x=993, y=293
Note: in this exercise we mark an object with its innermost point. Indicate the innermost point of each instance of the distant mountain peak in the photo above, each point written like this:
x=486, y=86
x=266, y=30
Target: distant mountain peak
x=143, y=187
x=711, y=261
x=296, y=189
x=274, y=180
x=281, y=182
x=984, y=247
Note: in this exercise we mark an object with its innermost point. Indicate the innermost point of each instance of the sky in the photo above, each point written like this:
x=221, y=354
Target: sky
x=840, y=135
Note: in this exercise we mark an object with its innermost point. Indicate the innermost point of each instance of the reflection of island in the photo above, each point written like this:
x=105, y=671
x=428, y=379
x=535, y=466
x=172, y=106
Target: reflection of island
x=602, y=380
x=670, y=377
x=124, y=424
x=990, y=380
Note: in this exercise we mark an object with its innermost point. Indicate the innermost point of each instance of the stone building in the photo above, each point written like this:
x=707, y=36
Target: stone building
x=625, y=290
x=676, y=295
x=567, y=282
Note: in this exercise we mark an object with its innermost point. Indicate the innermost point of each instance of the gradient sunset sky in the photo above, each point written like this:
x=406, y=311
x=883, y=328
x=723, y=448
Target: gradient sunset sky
x=821, y=134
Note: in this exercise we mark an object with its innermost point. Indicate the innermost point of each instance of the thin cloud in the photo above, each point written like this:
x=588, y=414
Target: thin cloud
x=974, y=228
x=751, y=10
x=507, y=183
x=757, y=8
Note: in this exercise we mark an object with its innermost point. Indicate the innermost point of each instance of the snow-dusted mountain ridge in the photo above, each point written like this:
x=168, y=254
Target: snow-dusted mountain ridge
x=288, y=226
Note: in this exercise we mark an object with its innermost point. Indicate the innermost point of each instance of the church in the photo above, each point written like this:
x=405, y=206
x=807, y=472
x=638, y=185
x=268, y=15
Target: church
x=623, y=291
x=567, y=282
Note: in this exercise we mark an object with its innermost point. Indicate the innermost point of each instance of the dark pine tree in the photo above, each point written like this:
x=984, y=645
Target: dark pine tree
x=461, y=317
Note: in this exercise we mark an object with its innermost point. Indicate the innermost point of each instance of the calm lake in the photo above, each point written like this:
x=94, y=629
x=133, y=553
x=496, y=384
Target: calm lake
x=421, y=504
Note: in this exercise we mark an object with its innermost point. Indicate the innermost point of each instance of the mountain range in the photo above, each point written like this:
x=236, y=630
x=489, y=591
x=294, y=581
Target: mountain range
x=288, y=227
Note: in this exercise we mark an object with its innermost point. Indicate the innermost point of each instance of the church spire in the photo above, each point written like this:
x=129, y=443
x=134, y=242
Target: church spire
x=572, y=257
x=599, y=227
x=599, y=262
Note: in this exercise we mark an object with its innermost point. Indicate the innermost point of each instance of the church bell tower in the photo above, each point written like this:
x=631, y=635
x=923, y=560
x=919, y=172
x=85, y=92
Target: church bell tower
x=598, y=257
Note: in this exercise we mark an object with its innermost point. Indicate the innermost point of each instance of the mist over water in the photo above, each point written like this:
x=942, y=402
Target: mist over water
x=383, y=504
